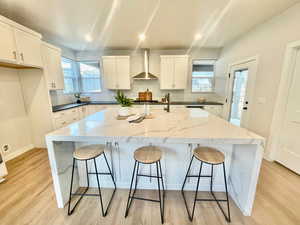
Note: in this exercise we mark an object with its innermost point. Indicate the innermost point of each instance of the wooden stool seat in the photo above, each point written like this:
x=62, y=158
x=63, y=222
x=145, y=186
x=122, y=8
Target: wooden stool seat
x=147, y=154
x=209, y=155
x=88, y=152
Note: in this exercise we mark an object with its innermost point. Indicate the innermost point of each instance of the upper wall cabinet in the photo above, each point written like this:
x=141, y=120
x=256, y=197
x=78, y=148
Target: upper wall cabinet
x=52, y=67
x=29, y=49
x=116, y=71
x=173, y=72
x=8, y=49
x=19, y=46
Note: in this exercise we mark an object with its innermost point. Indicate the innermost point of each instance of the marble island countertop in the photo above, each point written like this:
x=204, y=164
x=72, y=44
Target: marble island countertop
x=178, y=126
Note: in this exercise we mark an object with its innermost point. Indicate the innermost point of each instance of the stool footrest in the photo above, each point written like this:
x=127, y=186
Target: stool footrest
x=211, y=200
x=145, y=175
x=100, y=173
x=198, y=176
x=144, y=199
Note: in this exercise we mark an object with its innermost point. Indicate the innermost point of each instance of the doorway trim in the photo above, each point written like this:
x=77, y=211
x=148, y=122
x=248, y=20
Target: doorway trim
x=281, y=101
x=229, y=83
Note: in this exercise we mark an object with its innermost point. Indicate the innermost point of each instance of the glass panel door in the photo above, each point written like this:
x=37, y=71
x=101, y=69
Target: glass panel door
x=238, y=96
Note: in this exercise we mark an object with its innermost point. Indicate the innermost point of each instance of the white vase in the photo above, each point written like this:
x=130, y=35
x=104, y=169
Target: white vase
x=124, y=111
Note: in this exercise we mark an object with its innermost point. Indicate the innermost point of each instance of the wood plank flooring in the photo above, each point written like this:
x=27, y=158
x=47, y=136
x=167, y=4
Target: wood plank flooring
x=27, y=198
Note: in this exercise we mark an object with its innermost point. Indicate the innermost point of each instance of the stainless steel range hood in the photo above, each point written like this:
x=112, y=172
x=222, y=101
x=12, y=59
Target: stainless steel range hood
x=146, y=75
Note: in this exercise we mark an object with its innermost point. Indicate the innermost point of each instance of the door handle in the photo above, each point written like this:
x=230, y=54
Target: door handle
x=245, y=108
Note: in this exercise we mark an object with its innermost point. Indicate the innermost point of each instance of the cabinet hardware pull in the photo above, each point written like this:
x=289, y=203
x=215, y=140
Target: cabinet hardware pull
x=22, y=57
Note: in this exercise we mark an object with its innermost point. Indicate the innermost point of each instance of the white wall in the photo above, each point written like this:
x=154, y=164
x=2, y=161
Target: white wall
x=268, y=41
x=14, y=123
x=136, y=67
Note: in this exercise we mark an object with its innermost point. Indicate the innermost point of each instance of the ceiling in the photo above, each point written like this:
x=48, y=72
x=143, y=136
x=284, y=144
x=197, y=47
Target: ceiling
x=116, y=24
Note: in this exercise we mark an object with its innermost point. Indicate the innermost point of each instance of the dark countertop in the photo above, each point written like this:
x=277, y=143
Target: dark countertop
x=58, y=108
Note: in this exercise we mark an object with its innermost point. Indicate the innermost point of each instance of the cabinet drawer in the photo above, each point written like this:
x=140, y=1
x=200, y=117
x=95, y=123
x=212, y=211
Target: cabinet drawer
x=59, y=114
x=60, y=122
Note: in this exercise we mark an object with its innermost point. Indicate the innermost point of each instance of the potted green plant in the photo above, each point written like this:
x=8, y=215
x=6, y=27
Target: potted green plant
x=125, y=103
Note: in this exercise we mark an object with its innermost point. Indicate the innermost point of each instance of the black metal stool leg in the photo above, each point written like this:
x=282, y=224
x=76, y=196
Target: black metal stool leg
x=110, y=171
x=159, y=195
x=211, y=179
x=69, y=213
x=129, y=194
x=99, y=189
x=162, y=181
x=196, y=193
x=228, y=208
x=81, y=195
x=115, y=187
x=182, y=189
x=187, y=173
x=87, y=174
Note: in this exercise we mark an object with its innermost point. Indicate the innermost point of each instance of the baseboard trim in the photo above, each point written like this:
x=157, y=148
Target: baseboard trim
x=17, y=152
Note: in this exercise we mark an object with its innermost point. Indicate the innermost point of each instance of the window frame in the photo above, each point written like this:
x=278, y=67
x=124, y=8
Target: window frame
x=209, y=62
x=80, y=78
x=75, y=79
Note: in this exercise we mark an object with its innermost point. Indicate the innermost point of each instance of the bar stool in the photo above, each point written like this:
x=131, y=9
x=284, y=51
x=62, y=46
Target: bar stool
x=147, y=155
x=211, y=157
x=85, y=153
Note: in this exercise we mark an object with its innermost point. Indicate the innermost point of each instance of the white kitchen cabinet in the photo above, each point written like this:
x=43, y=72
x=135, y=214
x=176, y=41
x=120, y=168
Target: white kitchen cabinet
x=19, y=47
x=29, y=49
x=214, y=109
x=65, y=117
x=52, y=67
x=8, y=52
x=173, y=72
x=116, y=71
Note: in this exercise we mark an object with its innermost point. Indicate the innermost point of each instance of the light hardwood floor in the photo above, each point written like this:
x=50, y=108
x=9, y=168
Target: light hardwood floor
x=27, y=197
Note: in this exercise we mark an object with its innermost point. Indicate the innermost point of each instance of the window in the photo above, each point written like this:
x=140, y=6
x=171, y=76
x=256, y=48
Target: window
x=70, y=77
x=203, y=73
x=81, y=76
x=89, y=76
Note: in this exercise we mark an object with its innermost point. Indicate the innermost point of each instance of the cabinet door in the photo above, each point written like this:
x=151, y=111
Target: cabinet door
x=109, y=70
x=123, y=73
x=8, y=51
x=53, y=68
x=56, y=70
x=29, y=49
x=167, y=73
x=180, y=72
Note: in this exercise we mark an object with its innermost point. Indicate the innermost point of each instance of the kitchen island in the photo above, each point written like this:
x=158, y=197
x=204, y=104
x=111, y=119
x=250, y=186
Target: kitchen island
x=176, y=133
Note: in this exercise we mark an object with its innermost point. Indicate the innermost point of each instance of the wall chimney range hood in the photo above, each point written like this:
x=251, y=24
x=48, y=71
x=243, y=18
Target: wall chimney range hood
x=146, y=75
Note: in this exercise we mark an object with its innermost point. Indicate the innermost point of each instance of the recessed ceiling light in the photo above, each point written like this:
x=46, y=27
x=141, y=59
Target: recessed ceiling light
x=88, y=38
x=142, y=37
x=198, y=37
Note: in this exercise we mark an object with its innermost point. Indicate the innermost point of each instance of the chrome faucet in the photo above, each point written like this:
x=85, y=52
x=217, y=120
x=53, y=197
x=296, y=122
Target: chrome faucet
x=167, y=97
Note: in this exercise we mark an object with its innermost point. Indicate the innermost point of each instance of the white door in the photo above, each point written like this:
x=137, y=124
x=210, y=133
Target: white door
x=166, y=73
x=122, y=72
x=8, y=51
x=180, y=72
x=29, y=49
x=289, y=138
x=240, y=93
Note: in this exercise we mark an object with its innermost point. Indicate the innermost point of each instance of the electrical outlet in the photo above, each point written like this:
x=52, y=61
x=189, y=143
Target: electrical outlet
x=5, y=148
